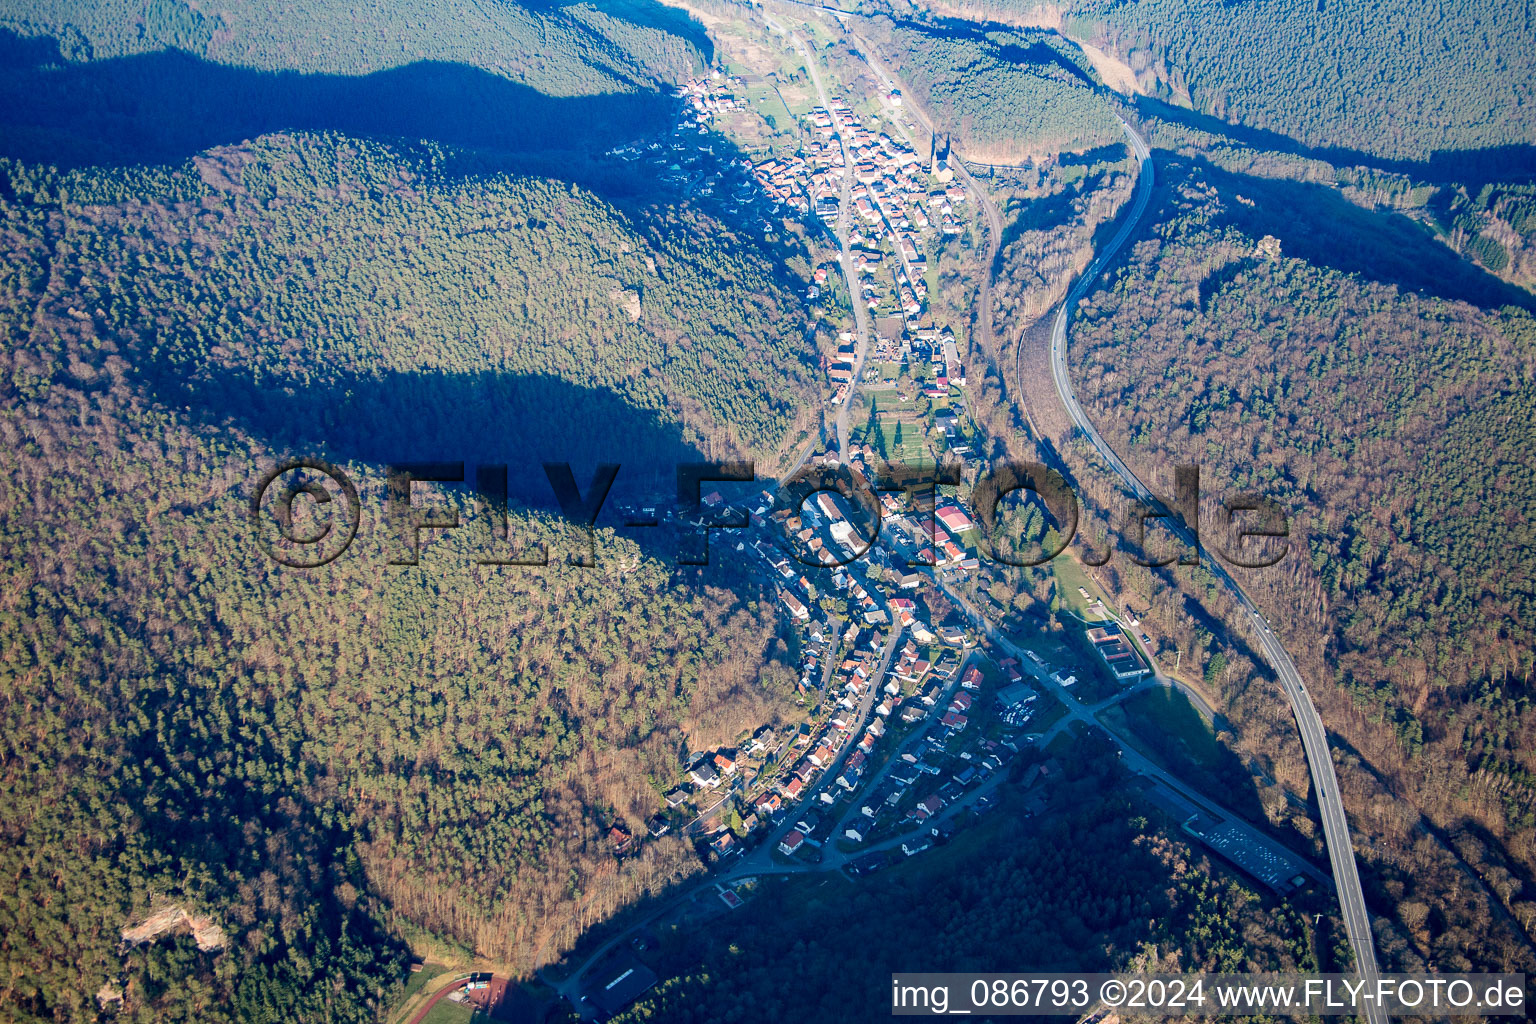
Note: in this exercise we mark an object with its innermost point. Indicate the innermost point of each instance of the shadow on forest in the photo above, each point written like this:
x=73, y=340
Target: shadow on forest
x=1040, y=53
x=1044, y=213
x=1165, y=722
x=1471, y=167
x=1235, y=639
x=1319, y=225
x=1113, y=153
x=165, y=107
x=647, y=13
x=486, y=418
x=1212, y=284
x=995, y=35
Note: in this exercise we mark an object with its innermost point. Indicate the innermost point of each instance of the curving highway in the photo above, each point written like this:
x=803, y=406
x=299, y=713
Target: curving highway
x=1078, y=290
x=1314, y=739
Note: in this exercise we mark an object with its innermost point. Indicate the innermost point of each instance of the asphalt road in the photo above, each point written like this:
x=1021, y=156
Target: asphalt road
x=761, y=859
x=871, y=784
x=1314, y=738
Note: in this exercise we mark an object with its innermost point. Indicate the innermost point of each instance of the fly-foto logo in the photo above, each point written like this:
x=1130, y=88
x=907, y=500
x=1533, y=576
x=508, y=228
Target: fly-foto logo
x=306, y=512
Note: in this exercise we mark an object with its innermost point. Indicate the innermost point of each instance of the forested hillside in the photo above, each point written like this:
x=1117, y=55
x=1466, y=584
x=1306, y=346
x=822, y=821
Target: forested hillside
x=1494, y=225
x=565, y=50
x=1402, y=80
x=157, y=82
x=1005, y=95
x=319, y=762
x=292, y=282
x=1487, y=219
x=1383, y=391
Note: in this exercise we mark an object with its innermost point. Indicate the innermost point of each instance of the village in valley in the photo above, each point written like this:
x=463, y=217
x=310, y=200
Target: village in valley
x=922, y=714
x=905, y=717
x=908, y=715
x=919, y=694
x=903, y=205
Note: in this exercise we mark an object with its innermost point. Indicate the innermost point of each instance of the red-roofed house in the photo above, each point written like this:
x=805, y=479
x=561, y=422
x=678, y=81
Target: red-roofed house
x=955, y=519
x=621, y=839
x=928, y=808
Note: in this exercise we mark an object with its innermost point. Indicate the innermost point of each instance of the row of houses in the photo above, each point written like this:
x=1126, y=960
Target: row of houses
x=821, y=747
x=841, y=670
x=844, y=668
x=930, y=764
x=898, y=200
x=713, y=769
x=894, y=206
x=897, y=209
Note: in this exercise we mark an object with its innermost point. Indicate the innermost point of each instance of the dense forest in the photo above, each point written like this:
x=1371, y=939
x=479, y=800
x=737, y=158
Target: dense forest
x=294, y=281
x=1485, y=217
x=560, y=50
x=1343, y=363
x=1100, y=879
x=275, y=229
x=1494, y=224
x=1005, y=95
x=323, y=762
x=1404, y=80
x=157, y=82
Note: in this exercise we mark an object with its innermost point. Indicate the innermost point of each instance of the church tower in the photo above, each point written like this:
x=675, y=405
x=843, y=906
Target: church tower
x=939, y=167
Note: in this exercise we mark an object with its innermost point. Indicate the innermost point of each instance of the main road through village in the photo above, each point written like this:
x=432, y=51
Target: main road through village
x=842, y=233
